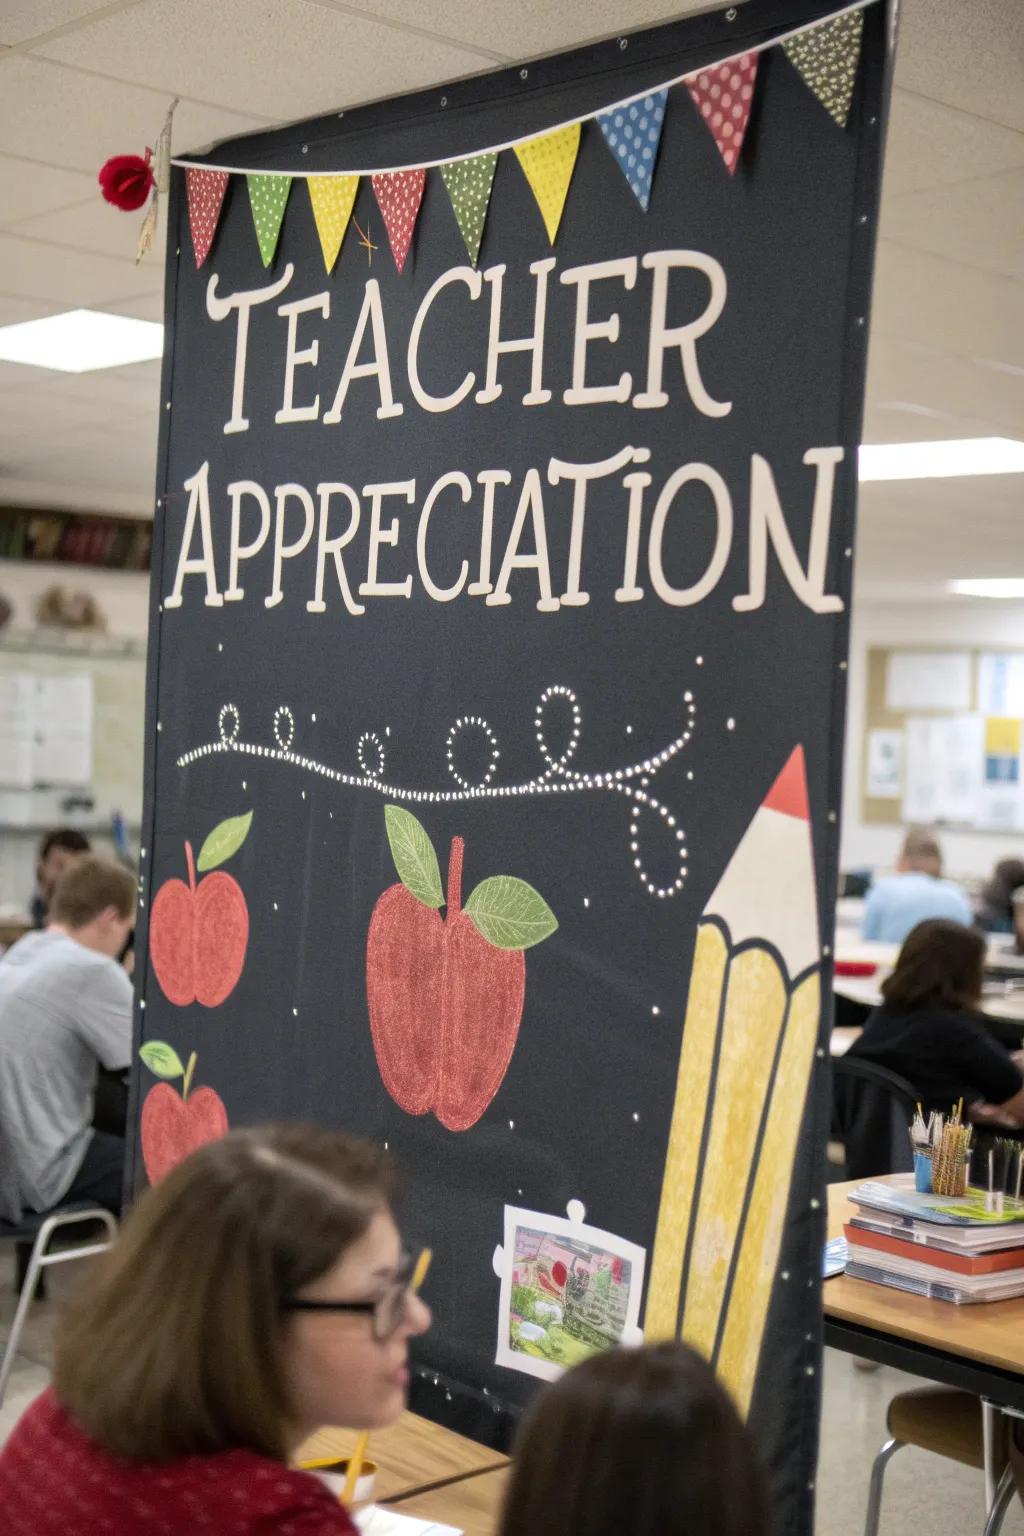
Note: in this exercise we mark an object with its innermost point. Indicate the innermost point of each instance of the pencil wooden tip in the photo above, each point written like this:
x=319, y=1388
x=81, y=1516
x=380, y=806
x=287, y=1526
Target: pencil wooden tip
x=789, y=792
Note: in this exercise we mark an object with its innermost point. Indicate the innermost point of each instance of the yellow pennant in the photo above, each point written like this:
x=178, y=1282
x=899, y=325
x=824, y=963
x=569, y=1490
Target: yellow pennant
x=332, y=198
x=548, y=163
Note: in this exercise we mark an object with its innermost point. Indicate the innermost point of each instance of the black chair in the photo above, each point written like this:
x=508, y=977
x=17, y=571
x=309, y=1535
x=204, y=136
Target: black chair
x=872, y=1109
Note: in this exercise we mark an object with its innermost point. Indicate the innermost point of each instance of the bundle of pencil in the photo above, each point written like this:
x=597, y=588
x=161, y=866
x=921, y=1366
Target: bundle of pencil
x=951, y=1157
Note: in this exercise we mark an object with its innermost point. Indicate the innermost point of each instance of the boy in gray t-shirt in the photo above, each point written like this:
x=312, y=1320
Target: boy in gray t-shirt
x=65, y=1010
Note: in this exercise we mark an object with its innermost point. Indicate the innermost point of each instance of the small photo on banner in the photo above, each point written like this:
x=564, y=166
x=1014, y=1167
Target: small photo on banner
x=205, y=191
x=332, y=199
x=399, y=195
x=723, y=95
x=548, y=162
x=633, y=134
x=267, y=197
x=826, y=58
x=468, y=184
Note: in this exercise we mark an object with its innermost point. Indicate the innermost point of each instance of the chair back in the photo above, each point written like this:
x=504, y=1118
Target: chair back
x=872, y=1110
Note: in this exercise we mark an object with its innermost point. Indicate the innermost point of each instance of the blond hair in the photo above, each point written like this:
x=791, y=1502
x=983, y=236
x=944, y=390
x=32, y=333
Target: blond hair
x=88, y=887
x=175, y=1346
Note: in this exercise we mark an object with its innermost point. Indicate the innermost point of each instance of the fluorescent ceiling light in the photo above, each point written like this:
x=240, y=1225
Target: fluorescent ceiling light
x=81, y=340
x=938, y=461
x=989, y=586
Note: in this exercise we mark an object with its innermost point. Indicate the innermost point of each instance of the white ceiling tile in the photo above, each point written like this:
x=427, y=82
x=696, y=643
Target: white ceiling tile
x=28, y=189
x=59, y=273
x=94, y=226
x=23, y=20
x=969, y=55
x=930, y=145
x=246, y=52
x=945, y=304
x=147, y=306
x=79, y=120
x=15, y=311
x=979, y=223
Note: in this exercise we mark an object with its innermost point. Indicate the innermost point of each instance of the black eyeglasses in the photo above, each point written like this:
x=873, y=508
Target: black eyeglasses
x=387, y=1312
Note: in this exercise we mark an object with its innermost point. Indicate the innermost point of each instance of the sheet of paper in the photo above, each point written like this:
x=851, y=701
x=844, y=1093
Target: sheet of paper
x=17, y=727
x=885, y=765
x=919, y=680
x=63, y=730
x=1002, y=798
x=943, y=774
x=1001, y=684
x=376, y=1521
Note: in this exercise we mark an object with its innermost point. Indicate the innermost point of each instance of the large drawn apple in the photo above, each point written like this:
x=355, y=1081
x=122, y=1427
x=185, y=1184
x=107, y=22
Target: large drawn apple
x=446, y=995
x=198, y=933
x=175, y=1124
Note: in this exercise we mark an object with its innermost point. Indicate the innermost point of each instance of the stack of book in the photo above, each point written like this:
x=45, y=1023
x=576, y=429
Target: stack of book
x=949, y=1249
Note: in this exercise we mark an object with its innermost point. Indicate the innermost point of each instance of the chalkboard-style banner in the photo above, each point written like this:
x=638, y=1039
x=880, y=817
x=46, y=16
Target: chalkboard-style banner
x=500, y=600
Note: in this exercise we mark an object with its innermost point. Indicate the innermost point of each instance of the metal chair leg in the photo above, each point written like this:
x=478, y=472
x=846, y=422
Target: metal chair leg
x=878, y=1467
x=1000, y=1504
x=993, y=1436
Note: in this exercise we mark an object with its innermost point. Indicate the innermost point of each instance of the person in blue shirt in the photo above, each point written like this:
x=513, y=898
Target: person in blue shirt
x=897, y=903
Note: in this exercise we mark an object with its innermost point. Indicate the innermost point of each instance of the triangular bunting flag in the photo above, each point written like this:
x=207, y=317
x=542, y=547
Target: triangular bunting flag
x=268, y=195
x=723, y=94
x=548, y=163
x=469, y=183
x=332, y=198
x=399, y=194
x=827, y=57
x=633, y=134
x=205, y=191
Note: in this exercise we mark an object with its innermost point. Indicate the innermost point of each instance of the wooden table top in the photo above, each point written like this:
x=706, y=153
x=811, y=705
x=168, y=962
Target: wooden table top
x=472, y=1505
x=414, y=1453
x=991, y=1332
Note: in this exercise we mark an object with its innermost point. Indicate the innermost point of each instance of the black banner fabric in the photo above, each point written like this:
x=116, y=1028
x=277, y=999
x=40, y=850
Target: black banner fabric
x=496, y=694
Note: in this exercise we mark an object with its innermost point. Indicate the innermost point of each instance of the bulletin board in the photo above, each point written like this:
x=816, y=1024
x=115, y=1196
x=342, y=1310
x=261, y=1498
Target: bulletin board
x=944, y=738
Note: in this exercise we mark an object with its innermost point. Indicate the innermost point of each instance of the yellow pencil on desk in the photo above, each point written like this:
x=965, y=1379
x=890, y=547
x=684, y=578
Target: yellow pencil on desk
x=752, y=1021
x=358, y=1456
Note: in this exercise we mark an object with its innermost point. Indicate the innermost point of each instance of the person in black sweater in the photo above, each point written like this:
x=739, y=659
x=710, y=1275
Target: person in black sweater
x=929, y=1029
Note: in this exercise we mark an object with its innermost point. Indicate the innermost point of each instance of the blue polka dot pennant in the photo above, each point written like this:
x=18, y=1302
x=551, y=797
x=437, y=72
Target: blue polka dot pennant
x=632, y=134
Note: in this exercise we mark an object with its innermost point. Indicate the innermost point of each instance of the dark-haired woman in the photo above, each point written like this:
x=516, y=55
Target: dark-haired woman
x=258, y=1293
x=635, y=1442
x=929, y=1029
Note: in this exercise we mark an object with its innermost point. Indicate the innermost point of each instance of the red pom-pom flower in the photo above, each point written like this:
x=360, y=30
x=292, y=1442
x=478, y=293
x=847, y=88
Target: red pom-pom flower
x=126, y=181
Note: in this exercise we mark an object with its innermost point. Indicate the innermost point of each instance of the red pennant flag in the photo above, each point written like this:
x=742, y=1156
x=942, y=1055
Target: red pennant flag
x=399, y=194
x=723, y=95
x=206, y=191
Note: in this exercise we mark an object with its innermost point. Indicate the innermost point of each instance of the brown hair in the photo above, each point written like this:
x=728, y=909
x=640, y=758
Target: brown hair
x=921, y=851
x=175, y=1347
x=67, y=838
x=941, y=965
x=88, y=887
x=638, y=1440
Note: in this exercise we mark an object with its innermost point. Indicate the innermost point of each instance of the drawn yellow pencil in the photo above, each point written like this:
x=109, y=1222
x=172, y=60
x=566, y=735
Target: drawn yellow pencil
x=748, y=1046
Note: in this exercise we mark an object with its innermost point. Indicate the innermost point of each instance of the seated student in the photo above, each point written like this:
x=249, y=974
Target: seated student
x=257, y=1294
x=995, y=909
x=928, y=1029
x=897, y=903
x=635, y=1442
x=65, y=1011
x=57, y=852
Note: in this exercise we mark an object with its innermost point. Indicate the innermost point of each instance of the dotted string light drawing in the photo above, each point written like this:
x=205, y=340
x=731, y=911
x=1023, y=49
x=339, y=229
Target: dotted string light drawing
x=559, y=777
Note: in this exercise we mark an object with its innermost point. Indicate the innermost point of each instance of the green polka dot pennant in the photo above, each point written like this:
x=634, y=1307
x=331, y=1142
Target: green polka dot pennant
x=267, y=196
x=468, y=183
x=826, y=57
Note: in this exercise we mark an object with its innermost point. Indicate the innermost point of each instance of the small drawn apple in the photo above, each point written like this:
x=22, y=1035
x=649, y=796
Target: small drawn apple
x=198, y=933
x=446, y=995
x=175, y=1124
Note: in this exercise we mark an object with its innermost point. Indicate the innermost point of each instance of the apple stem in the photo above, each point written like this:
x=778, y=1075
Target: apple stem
x=186, y=1085
x=454, y=900
x=190, y=861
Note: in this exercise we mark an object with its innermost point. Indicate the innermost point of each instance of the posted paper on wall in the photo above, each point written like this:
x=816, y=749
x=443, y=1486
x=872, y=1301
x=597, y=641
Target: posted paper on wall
x=919, y=680
x=885, y=765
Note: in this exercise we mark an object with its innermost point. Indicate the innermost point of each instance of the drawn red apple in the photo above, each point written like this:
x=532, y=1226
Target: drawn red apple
x=446, y=995
x=175, y=1124
x=198, y=933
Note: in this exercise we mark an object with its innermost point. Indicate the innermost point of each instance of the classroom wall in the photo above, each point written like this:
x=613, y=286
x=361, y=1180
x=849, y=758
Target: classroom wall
x=122, y=595
x=952, y=622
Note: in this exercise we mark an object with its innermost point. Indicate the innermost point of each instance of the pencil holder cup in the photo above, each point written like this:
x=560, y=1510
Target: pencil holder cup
x=949, y=1177
x=334, y=1473
x=923, y=1172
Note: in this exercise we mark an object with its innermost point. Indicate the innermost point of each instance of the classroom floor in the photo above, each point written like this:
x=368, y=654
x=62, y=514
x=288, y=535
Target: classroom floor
x=922, y=1491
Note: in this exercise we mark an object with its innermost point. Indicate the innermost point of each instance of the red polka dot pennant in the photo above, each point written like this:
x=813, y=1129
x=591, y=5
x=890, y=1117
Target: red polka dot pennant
x=723, y=94
x=205, y=191
x=399, y=194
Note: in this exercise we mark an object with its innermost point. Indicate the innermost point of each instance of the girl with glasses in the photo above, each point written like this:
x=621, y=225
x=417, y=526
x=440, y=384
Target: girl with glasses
x=258, y=1293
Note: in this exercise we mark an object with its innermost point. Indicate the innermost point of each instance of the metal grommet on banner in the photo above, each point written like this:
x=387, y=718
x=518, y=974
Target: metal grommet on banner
x=523, y=74
x=305, y=149
x=623, y=43
x=444, y=101
x=730, y=14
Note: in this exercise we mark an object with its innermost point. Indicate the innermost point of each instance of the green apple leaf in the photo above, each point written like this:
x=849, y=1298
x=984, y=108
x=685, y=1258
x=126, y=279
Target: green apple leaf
x=414, y=856
x=509, y=913
x=161, y=1059
x=223, y=841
